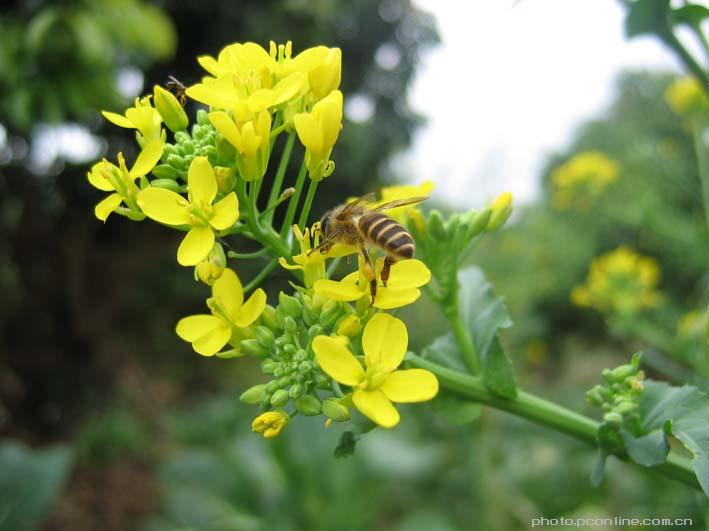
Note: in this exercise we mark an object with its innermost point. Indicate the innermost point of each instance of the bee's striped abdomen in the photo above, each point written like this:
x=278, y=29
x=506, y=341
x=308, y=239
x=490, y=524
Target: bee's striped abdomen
x=387, y=234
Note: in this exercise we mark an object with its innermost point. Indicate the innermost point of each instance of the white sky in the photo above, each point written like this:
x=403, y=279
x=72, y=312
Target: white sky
x=508, y=85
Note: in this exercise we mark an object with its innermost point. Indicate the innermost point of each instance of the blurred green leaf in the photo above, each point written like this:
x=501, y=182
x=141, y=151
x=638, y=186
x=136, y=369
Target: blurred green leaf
x=30, y=481
x=485, y=313
x=649, y=450
x=456, y=411
x=646, y=16
x=445, y=351
x=690, y=14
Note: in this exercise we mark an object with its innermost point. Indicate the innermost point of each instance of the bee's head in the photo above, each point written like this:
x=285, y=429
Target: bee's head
x=325, y=223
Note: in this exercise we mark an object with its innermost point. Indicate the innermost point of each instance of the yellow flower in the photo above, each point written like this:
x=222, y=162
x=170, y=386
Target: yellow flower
x=693, y=324
x=405, y=278
x=313, y=263
x=270, y=423
x=249, y=137
x=318, y=131
x=143, y=117
x=213, y=265
x=685, y=97
x=323, y=66
x=501, y=209
x=230, y=316
x=621, y=281
x=376, y=386
x=119, y=180
x=197, y=211
x=582, y=179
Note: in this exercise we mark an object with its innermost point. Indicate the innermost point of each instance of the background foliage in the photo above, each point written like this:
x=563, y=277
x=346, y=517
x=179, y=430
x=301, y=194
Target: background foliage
x=131, y=430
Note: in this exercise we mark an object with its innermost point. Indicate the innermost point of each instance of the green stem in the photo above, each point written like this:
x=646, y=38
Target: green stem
x=261, y=276
x=462, y=335
x=312, y=187
x=280, y=174
x=542, y=412
x=293, y=203
x=670, y=39
x=702, y=162
x=248, y=256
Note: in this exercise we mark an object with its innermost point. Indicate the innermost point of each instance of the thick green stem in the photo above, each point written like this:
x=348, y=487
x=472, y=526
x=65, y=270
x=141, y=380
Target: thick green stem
x=280, y=174
x=462, y=334
x=312, y=188
x=293, y=203
x=671, y=40
x=542, y=412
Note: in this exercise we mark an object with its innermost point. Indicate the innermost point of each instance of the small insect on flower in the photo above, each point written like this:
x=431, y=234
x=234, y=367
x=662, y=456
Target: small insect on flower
x=175, y=86
x=356, y=225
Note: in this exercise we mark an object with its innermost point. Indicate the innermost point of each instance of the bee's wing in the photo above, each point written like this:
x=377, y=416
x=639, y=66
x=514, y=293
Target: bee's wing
x=400, y=203
x=349, y=206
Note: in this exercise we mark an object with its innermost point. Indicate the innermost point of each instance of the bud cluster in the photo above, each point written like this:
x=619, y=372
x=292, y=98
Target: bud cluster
x=283, y=341
x=620, y=395
x=177, y=157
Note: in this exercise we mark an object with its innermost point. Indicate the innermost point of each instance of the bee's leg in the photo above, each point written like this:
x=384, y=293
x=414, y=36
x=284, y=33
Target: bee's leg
x=370, y=273
x=388, y=262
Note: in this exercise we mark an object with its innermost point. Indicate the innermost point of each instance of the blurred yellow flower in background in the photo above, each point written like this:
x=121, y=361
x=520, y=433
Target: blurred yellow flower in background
x=582, y=179
x=620, y=282
x=686, y=97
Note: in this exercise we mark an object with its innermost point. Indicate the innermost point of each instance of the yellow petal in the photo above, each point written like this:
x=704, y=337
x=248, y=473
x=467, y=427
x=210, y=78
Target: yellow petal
x=229, y=293
x=226, y=212
x=148, y=158
x=290, y=88
x=207, y=333
x=223, y=123
x=409, y=274
x=412, y=385
x=195, y=326
x=211, y=65
x=209, y=96
x=251, y=309
x=96, y=176
x=309, y=59
x=377, y=407
x=164, y=206
x=389, y=298
x=309, y=131
x=384, y=341
x=118, y=119
x=340, y=291
x=195, y=246
x=250, y=141
x=201, y=182
x=336, y=361
x=331, y=118
x=147, y=120
x=108, y=205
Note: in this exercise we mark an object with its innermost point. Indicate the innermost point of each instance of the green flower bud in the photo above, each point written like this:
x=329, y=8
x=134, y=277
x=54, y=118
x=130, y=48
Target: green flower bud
x=272, y=386
x=212, y=267
x=253, y=348
x=226, y=179
x=268, y=318
x=182, y=136
x=620, y=373
x=626, y=407
x=167, y=184
x=169, y=149
x=165, y=171
x=290, y=305
x=284, y=381
x=290, y=325
x=264, y=336
x=305, y=367
x=501, y=210
x=478, y=221
x=203, y=117
x=594, y=397
x=330, y=313
x=280, y=398
x=170, y=109
x=335, y=410
x=435, y=227
x=308, y=405
x=321, y=380
x=278, y=371
x=268, y=366
x=314, y=331
x=188, y=148
x=295, y=390
x=289, y=350
x=253, y=395
x=176, y=161
x=613, y=419
x=300, y=356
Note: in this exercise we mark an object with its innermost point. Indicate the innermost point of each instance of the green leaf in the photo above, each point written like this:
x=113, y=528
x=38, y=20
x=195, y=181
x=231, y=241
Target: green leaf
x=29, y=483
x=683, y=411
x=456, y=411
x=649, y=450
x=445, y=351
x=485, y=313
x=646, y=16
x=690, y=14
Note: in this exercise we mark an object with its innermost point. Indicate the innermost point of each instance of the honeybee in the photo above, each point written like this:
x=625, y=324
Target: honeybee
x=175, y=86
x=356, y=225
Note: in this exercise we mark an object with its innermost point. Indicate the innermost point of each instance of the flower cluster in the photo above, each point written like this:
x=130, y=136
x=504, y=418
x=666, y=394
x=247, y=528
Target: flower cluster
x=327, y=348
x=582, y=179
x=686, y=97
x=621, y=282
